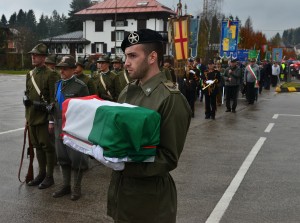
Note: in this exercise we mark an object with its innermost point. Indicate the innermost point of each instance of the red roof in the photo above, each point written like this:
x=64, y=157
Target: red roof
x=125, y=6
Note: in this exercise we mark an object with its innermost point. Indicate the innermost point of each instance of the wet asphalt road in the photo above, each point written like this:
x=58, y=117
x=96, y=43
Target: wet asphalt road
x=265, y=189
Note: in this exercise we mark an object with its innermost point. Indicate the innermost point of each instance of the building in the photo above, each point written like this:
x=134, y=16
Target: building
x=71, y=43
x=107, y=22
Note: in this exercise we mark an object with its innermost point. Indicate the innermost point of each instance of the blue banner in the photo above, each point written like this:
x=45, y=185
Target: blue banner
x=194, y=30
x=277, y=54
x=229, y=38
x=243, y=55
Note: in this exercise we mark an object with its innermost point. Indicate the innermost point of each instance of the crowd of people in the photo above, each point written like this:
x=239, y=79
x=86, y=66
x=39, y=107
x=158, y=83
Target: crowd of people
x=221, y=81
x=143, y=191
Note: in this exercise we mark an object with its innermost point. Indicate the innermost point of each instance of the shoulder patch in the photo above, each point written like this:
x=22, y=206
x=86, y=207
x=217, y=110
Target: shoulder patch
x=172, y=87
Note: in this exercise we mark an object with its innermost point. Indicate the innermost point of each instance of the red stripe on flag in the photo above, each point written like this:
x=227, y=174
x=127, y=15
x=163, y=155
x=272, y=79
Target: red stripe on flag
x=181, y=40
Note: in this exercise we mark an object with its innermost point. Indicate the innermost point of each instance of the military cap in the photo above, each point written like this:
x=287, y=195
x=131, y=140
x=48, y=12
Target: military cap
x=40, y=49
x=140, y=37
x=80, y=62
x=67, y=61
x=252, y=60
x=117, y=60
x=104, y=58
x=210, y=61
x=234, y=60
x=51, y=59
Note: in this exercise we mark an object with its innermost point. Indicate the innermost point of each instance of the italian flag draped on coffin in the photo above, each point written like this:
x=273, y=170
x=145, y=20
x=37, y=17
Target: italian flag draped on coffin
x=125, y=132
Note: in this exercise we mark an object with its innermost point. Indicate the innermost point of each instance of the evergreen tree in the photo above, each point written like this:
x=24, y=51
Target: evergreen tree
x=13, y=20
x=75, y=24
x=21, y=18
x=42, y=28
x=3, y=20
x=31, y=21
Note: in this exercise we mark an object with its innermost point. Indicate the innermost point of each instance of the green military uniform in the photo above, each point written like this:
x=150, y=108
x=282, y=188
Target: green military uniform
x=122, y=79
x=146, y=190
x=107, y=92
x=89, y=83
x=38, y=119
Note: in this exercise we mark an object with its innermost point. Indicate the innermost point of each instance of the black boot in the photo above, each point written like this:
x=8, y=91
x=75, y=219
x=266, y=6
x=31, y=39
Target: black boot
x=47, y=182
x=76, y=193
x=36, y=181
x=62, y=192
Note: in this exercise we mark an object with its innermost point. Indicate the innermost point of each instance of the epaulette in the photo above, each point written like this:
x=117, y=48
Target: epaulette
x=172, y=87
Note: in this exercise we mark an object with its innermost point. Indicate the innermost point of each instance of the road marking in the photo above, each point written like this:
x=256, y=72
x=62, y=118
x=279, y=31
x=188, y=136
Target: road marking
x=224, y=202
x=269, y=127
x=275, y=116
x=10, y=131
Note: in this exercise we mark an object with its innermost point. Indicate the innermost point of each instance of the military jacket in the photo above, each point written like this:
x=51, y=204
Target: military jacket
x=45, y=79
x=122, y=81
x=149, y=185
x=109, y=91
x=89, y=83
x=70, y=89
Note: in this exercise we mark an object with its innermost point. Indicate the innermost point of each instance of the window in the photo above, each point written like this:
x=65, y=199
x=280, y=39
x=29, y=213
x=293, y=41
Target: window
x=98, y=26
x=99, y=47
x=119, y=51
x=58, y=48
x=80, y=48
x=119, y=35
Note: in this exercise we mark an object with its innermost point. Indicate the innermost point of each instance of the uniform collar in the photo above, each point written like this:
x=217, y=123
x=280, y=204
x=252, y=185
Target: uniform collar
x=152, y=83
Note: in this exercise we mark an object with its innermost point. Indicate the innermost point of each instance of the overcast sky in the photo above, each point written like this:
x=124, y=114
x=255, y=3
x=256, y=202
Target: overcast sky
x=268, y=16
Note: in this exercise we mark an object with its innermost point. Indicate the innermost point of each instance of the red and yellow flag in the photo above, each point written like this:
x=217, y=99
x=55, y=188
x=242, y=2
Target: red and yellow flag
x=181, y=37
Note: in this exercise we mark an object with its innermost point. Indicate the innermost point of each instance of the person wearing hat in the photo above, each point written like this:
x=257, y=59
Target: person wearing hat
x=105, y=80
x=68, y=87
x=84, y=78
x=117, y=65
x=145, y=192
x=251, y=79
x=40, y=83
x=232, y=77
x=210, y=81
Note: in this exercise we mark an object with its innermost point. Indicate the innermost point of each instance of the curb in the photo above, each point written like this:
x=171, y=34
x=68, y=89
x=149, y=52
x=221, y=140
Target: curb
x=281, y=89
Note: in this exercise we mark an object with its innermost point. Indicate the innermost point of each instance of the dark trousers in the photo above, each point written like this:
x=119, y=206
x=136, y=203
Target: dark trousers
x=231, y=95
x=251, y=91
x=274, y=80
x=210, y=105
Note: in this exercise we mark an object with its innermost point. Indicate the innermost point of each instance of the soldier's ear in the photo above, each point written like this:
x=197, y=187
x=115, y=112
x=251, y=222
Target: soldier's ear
x=152, y=57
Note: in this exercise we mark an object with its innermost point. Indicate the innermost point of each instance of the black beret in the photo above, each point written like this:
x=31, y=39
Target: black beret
x=234, y=60
x=141, y=36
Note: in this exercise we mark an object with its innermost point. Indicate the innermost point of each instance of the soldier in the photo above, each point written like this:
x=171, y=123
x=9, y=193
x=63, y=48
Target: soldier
x=68, y=87
x=117, y=65
x=122, y=79
x=39, y=92
x=145, y=192
x=84, y=78
x=168, y=66
x=211, y=78
x=104, y=80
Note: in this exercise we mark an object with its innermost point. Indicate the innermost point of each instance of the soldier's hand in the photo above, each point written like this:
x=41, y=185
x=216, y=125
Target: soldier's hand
x=51, y=128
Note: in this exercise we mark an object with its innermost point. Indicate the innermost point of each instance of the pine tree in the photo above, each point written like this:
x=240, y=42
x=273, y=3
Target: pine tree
x=75, y=24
